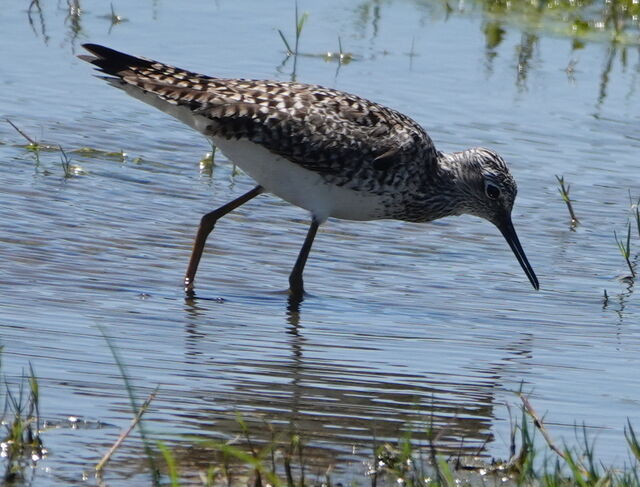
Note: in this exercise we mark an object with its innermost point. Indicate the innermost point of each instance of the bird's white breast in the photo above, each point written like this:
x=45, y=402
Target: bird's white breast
x=277, y=175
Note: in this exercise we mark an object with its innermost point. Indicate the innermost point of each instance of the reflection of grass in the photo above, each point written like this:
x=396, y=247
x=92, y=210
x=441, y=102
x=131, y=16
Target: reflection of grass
x=616, y=20
x=67, y=167
x=281, y=462
x=245, y=460
x=72, y=20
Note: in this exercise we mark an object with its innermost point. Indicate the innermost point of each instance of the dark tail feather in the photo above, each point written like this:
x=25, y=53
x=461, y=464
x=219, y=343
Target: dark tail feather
x=112, y=62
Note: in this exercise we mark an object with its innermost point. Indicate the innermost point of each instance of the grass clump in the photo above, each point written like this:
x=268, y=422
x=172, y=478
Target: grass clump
x=283, y=459
x=245, y=461
x=283, y=462
x=529, y=464
x=20, y=442
x=36, y=147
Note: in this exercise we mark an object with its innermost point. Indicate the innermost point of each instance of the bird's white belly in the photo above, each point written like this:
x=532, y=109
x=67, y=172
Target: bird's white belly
x=299, y=186
x=276, y=174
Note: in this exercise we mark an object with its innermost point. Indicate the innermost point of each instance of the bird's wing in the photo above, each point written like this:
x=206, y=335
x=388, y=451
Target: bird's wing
x=324, y=130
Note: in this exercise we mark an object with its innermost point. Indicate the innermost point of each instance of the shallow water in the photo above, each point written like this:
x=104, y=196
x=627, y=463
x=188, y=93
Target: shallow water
x=405, y=324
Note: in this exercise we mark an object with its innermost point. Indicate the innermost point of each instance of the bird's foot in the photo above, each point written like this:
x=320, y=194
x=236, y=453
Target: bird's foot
x=189, y=290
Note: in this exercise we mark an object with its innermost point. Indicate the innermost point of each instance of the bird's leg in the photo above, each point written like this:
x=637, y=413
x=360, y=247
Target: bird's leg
x=296, y=288
x=207, y=223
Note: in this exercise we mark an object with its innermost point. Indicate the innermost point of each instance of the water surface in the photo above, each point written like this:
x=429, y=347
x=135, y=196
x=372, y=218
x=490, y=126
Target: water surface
x=406, y=323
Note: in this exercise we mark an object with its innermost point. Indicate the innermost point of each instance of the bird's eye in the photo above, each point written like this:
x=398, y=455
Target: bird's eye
x=492, y=191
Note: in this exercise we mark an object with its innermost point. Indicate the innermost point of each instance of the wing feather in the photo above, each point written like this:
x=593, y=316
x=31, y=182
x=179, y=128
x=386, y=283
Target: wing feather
x=333, y=133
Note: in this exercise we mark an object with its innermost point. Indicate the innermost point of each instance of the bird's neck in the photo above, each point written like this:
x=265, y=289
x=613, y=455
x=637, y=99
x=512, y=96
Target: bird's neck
x=443, y=194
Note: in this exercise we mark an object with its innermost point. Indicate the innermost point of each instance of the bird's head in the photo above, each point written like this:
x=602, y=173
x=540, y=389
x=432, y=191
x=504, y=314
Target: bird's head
x=488, y=190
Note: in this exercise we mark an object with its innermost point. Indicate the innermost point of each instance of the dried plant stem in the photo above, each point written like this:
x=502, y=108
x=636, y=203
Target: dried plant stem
x=29, y=139
x=537, y=421
x=126, y=433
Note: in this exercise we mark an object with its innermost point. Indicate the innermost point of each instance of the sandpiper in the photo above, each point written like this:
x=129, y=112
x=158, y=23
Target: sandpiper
x=329, y=152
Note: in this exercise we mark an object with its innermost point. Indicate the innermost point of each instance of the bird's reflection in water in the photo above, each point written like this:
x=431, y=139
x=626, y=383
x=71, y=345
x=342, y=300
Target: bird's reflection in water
x=325, y=389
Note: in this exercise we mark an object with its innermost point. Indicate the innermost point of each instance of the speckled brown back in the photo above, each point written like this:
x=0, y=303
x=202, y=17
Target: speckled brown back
x=347, y=139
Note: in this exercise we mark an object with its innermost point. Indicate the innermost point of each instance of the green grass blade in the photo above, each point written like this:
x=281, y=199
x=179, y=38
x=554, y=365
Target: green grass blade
x=286, y=44
x=300, y=23
x=170, y=460
x=134, y=406
x=632, y=440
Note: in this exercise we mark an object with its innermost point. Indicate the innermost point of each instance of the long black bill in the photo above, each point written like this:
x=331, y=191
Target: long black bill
x=506, y=227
